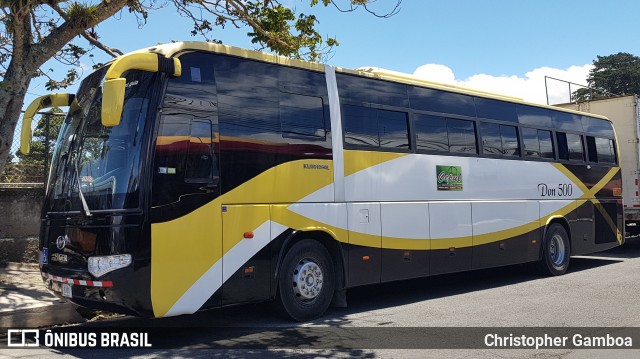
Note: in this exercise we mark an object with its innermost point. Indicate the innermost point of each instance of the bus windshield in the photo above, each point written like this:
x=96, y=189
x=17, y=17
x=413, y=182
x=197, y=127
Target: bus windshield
x=96, y=167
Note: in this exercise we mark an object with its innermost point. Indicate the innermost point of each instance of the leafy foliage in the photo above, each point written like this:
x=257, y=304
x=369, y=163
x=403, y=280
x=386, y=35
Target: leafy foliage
x=35, y=31
x=33, y=167
x=612, y=75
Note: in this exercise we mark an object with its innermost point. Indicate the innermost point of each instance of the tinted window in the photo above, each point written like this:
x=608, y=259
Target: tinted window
x=606, y=150
x=431, y=133
x=499, y=140
x=535, y=116
x=563, y=149
x=546, y=144
x=576, y=149
x=597, y=126
x=496, y=110
x=462, y=136
x=393, y=129
x=362, y=89
x=172, y=147
x=258, y=128
x=201, y=162
x=491, y=142
x=601, y=150
x=196, y=82
x=360, y=126
x=302, y=117
x=509, y=136
x=567, y=121
x=530, y=142
x=185, y=154
x=441, y=101
x=249, y=102
x=365, y=126
x=302, y=82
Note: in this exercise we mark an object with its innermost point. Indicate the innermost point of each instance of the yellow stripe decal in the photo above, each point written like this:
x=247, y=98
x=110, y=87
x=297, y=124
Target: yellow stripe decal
x=184, y=249
x=356, y=161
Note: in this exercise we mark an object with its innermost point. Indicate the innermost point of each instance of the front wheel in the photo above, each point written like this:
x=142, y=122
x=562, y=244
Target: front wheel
x=555, y=251
x=306, y=281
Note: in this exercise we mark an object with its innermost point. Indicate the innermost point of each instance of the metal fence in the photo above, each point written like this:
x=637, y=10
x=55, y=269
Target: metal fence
x=560, y=91
x=34, y=167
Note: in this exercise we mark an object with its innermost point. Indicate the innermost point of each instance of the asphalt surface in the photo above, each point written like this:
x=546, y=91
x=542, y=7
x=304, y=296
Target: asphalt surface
x=600, y=290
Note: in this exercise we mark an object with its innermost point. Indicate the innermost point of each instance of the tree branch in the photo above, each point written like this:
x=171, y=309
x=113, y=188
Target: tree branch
x=352, y=8
x=242, y=9
x=61, y=35
x=113, y=52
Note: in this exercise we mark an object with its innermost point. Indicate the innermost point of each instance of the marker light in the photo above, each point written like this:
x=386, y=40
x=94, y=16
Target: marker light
x=99, y=266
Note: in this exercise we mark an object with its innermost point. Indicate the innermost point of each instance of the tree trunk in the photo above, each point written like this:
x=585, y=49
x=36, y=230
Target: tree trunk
x=27, y=57
x=13, y=89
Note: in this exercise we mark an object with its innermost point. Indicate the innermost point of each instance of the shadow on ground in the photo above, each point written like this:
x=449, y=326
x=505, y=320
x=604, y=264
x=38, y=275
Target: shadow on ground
x=256, y=327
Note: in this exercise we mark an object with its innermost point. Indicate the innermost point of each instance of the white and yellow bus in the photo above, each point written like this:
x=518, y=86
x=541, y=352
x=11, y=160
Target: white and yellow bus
x=193, y=175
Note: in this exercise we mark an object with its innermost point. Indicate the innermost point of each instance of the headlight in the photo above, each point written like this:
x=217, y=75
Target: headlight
x=99, y=266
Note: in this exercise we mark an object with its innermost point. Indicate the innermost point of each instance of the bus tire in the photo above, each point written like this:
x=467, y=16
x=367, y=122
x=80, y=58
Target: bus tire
x=556, y=251
x=306, y=281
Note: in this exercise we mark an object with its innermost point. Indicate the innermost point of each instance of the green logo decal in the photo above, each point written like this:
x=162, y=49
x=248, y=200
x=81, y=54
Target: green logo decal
x=449, y=178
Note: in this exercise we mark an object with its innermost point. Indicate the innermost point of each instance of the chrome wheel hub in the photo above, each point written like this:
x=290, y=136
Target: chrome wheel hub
x=307, y=280
x=557, y=250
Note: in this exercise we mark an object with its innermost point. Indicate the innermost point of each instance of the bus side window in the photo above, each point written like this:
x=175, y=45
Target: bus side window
x=491, y=142
x=302, y=117
x=546, y=144
x=431, y=133
x=570, y=147
x=376, y=128
x=462, y=136
x=606, y=150
x=563, y=149
x=360, y=126
x=184, y=156
x=531, y=142
x=201, y=166
x=509, y=139
x=601, y=150
x=393, y=129
x=499, y=140
x=576, y=148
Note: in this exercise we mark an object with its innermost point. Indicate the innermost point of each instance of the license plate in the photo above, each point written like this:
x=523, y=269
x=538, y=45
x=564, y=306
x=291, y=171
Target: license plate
x=66, y=290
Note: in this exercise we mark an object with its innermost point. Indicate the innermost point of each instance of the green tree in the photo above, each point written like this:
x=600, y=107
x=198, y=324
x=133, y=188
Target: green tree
x=617, y=74
x=34, y=31
x=34, y=166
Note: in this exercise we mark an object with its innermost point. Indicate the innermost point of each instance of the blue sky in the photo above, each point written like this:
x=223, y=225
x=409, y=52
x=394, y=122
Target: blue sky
x=496, y=45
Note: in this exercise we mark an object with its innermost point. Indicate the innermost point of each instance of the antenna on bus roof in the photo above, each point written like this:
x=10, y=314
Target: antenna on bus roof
x=401, y=76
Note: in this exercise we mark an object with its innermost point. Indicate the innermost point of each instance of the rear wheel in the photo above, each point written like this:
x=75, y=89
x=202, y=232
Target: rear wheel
x=556, y=251
x=306, y=281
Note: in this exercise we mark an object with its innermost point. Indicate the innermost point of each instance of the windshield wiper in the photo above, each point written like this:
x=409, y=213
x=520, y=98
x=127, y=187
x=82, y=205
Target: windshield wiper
x=87, y=212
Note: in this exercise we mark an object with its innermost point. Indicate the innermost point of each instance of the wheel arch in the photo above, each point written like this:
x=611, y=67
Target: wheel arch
x=333, y=246
x=561, y=221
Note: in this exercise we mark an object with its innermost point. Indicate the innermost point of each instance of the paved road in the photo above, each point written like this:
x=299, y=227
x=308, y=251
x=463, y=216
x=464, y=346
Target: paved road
x=598, y=291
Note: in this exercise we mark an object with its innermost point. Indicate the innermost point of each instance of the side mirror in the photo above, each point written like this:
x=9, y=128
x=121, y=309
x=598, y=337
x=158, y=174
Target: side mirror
x=115, y=85
x=112, y=101
x=46, y=101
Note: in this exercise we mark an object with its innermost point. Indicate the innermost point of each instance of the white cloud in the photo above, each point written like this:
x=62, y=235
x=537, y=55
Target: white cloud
x=529, y=87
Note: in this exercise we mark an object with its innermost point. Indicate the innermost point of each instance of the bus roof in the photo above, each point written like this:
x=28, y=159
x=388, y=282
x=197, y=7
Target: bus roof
x=175, y=48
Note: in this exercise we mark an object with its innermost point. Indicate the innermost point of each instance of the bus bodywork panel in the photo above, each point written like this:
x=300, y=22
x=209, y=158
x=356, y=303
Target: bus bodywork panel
x=188, y=261
x=241, y=162
x=443, y=236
